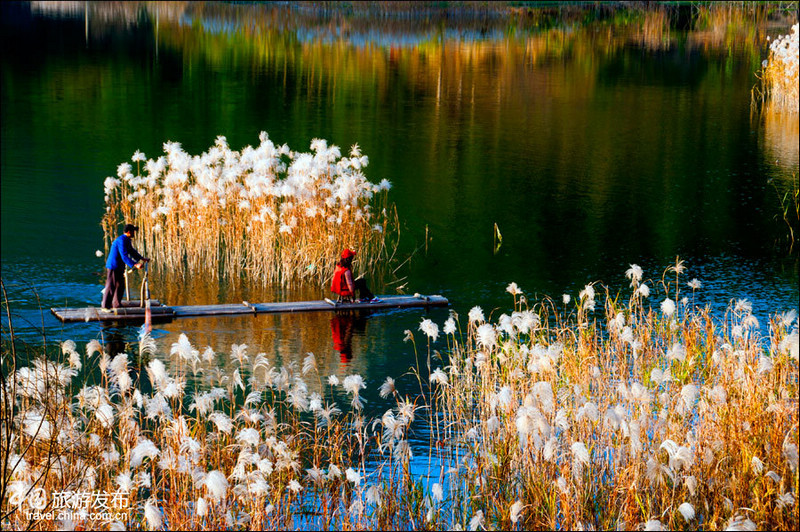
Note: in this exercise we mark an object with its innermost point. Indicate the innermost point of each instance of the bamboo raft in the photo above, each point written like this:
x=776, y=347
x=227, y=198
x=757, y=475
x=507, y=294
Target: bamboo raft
x=132, y=311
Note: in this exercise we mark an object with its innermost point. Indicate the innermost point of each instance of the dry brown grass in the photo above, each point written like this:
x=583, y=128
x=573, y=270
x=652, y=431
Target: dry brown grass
x=604, y=412
x=263, y=213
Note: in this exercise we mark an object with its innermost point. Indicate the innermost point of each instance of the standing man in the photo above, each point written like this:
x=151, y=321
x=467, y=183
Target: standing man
x=121, y=253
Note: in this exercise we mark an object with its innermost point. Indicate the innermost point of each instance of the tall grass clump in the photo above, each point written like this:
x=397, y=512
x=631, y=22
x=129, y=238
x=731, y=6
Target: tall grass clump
x=779, y=75
x=606, y=413
x=266, y=213
x=261, y=447
x=599, y=412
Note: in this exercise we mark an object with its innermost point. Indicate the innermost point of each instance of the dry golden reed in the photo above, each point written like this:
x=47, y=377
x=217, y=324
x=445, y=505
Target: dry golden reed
x=265, y=213
x=596, y=412
x=615, y=415
x=780, y=85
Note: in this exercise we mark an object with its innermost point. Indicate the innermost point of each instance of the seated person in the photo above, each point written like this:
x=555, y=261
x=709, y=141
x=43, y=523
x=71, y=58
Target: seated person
x=343, y=284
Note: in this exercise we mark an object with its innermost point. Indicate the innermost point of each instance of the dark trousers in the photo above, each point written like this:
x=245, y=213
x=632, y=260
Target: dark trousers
x=115, y=288
x=361, y=288
x=363, y=292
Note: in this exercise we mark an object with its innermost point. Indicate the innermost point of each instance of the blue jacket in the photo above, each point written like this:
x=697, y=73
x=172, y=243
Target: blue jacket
x=122, y=253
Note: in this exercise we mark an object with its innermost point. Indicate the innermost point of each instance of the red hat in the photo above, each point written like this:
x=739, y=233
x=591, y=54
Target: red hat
x=347, y=253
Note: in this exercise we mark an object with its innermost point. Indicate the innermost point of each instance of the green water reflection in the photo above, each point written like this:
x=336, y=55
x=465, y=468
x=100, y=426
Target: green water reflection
x=593, y=137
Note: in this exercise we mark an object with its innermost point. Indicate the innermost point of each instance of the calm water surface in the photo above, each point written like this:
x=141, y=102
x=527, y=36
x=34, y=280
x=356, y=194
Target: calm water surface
x=591, y=144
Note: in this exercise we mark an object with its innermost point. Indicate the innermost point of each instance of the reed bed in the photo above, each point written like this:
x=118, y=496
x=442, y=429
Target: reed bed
x=265, y=213
x=596, y=412
x=264, y=447
x=622, y=416
x=779, y=76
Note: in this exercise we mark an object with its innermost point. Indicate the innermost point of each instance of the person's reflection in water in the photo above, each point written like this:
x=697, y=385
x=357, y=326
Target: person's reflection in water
x=113, y=340
x=343, y=325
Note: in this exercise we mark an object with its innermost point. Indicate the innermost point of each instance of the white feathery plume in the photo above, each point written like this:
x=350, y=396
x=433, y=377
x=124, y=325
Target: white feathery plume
x=68, y=348
x=183, y=348
x=634, y=273
x=504, y=397
x=93, y=347
x=791, y=455
x=105, y=415
x=588, y=410
x=679, y=456
x=543, y=392
x=237, y=379
x=691, y=484
x=588, y=292
x=430, y=329
x=334, y=472
x=791, y=345
x=757, y=465
x=144, y=449
x=353, y=384
x=124, y=482
x=222, y=421
x=18, y=492
x=373, y=496
x=718, y=394
x=787, y=318
x=741, y=523
x=201, y=508
x=249, y=436
x=439, y=376
x=513, y=289
x=477, y=520
x=687, y=511
x=216, y=484
x=208, y=354
x=515, y=511
x=689, y=393
x=476, y=315
x=437, y=492
x=668, y=307
x=157, y=372
x=580, y=453
x=677, y=352
x=238, y=353
x=786, y=500
x=315, y=475
x=487, y=335
x=309, y=363
x=119, y=372
x=353, y=476
x=152, y=514
x=387, y=388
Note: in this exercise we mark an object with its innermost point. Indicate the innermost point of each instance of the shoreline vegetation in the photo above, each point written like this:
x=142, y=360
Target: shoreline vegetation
x=631, y=409
x=779, y=89
x=265, y=213
x=627, y=408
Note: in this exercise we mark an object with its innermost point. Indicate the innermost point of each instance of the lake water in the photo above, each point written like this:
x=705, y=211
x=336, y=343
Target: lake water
x=590, y=140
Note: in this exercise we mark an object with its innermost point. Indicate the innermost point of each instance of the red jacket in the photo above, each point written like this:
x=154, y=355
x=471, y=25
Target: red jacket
x=339, y=283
